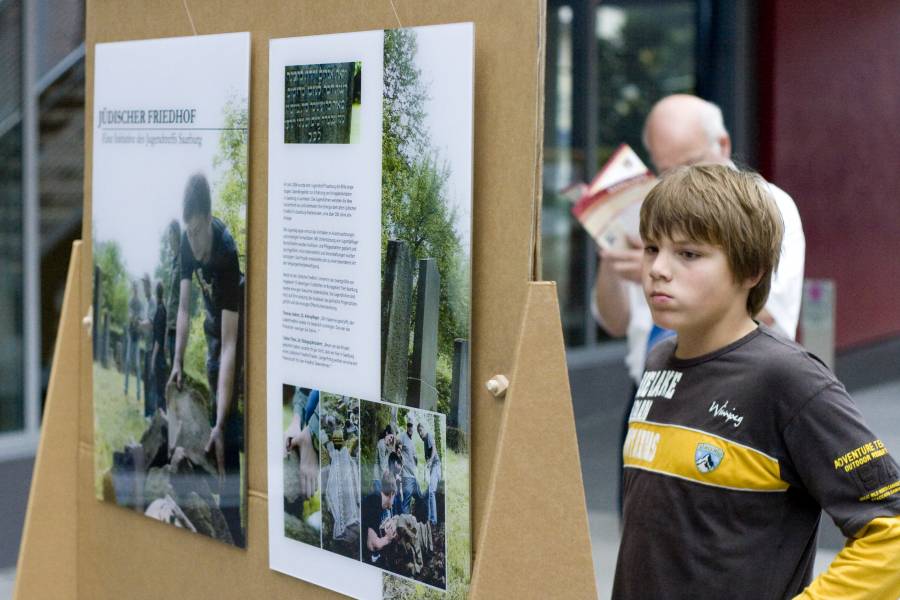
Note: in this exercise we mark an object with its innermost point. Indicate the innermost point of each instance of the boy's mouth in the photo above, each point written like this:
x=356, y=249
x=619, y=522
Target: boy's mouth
x=660, y=297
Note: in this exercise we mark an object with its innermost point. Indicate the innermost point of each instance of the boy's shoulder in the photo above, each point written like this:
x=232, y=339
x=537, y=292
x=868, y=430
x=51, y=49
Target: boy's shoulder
x=786, y=365
x=764, y=359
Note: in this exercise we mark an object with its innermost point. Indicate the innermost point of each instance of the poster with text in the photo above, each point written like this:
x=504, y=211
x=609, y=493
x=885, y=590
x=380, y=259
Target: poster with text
x=369, y=294
x=169, y=220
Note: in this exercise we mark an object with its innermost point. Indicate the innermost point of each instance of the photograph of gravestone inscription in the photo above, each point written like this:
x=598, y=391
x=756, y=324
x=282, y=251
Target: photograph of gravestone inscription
x=403, y=505
x=426, y=278
x=302, y=494
x=322, y=103
x=168, y=366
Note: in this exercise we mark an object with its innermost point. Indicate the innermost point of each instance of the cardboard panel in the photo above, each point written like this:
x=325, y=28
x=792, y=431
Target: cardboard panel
x=124, y=555
x=51, y=523
x=535, y=542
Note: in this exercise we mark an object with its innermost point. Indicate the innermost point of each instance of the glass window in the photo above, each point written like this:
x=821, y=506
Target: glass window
x=562, y=239
x=60, y=29
x=12, y=409
x=644, y=53
x=606, y=66
x=10, y=61
x=61, y=184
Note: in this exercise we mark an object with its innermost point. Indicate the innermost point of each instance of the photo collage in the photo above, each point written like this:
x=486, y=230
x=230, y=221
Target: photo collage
x=364, y=479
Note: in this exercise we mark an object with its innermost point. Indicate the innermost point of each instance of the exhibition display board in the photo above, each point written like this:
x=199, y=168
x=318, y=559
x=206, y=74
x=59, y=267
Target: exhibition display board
x=527, y=502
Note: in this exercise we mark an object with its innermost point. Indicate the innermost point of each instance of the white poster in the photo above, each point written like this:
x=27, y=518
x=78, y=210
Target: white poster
x=169, y=205
x=370, y=203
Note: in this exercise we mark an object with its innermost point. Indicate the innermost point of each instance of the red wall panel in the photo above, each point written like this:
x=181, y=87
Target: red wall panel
x=831, y=137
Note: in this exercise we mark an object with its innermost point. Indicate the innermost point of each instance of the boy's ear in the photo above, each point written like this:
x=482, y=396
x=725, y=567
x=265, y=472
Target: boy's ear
x=751, y=282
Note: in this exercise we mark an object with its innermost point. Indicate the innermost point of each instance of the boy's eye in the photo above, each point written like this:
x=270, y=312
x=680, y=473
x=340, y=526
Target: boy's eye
x=689, y=255
x=650, y=249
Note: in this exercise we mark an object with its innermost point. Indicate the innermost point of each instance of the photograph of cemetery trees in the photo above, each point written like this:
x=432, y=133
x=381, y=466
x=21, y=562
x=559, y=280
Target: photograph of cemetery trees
x=157, y=448
x=426, y=263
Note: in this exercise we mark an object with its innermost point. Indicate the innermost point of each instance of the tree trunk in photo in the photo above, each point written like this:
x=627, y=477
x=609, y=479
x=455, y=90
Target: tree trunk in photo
x=95, y=326
x=459, y=389
x=104, y=343
x=395, y=312
x=423, y=379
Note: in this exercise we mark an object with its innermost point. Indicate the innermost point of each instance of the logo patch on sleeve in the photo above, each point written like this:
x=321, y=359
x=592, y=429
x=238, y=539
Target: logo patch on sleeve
x=708, y=457
x=875, y=477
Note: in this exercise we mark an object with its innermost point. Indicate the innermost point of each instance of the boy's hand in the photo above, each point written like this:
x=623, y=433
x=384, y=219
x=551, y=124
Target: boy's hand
x=626, y=263
x=175, y=376
x=292, y=434
x=216, y=447
x=309, y=464
x=390, y=530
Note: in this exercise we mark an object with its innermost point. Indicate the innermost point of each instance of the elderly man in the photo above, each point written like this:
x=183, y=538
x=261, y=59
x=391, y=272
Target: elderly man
x=685, y=130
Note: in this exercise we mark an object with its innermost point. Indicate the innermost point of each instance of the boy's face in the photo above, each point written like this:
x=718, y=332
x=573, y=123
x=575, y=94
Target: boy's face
x=199, y=235
x=689, y=286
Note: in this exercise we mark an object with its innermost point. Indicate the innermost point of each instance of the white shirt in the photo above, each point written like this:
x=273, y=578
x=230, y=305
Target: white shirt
x=784, y=296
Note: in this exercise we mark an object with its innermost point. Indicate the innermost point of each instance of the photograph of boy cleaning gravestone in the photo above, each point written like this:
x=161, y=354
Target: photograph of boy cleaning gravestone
x=403, y=502
x=174, y=452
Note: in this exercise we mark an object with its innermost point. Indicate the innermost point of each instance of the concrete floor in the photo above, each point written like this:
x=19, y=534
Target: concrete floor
x=880, y=406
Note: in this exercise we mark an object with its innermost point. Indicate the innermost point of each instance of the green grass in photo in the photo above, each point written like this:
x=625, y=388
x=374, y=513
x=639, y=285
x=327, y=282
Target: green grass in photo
x=118, y=419
x=458, y=534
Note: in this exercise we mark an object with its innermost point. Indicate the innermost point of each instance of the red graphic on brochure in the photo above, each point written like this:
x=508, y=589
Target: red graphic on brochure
x=610, y=207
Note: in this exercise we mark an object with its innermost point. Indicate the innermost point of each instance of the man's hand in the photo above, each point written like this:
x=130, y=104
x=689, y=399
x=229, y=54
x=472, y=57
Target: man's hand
x=309, y=464
x=176, y=376
x=626, y=263
x=216, y=444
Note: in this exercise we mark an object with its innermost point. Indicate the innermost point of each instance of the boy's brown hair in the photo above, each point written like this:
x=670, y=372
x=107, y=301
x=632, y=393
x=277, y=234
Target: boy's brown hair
x=725, y=207
x=388, y=483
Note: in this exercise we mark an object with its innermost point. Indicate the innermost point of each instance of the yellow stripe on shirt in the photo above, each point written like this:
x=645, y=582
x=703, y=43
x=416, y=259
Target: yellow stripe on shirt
x=702, y=457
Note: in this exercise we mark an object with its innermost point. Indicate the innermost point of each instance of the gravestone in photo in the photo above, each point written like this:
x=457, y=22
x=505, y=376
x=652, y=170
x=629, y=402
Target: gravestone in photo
x=318, y=100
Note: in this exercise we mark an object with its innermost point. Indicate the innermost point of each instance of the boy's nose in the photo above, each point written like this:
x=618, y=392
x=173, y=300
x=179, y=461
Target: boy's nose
x=659, y=267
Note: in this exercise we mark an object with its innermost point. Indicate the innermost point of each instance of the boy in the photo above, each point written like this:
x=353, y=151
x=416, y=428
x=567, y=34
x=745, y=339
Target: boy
x=209, y=251
x=379, y=529
x=739, y=437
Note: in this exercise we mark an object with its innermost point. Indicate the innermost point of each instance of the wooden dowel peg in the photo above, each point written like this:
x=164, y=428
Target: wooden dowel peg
x=88, y=321
x=497, y=385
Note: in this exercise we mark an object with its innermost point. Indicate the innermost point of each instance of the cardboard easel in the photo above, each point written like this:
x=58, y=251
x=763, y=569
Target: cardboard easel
x=530, y=531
